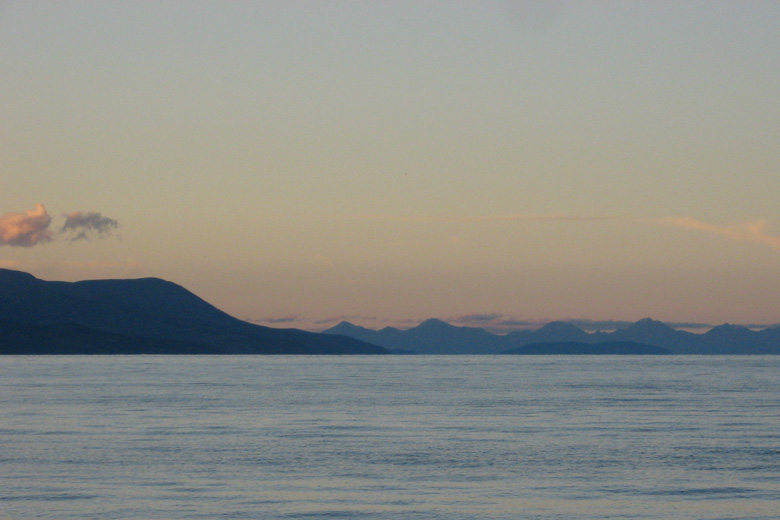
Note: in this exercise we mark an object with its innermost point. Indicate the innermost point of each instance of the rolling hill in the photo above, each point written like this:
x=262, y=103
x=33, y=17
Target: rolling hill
x=139, y=316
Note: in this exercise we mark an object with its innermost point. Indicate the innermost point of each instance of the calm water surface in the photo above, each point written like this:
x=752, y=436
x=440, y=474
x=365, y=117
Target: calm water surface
x=390, y=437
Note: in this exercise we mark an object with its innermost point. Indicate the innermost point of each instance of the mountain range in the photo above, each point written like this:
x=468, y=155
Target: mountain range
x=139, y=316
x=154, y=316
x=435, y=336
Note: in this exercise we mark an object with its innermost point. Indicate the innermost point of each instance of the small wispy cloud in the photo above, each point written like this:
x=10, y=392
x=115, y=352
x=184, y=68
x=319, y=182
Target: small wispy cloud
x=519, y=323
x=608, y=325
x=280, y=319
x=476, y=318
x=502, y=324
x=755, y=231
x=82, y=226
x=689, y=325
x=494, y=322
x=594, y=325
x=343, y=317
x=25, y=229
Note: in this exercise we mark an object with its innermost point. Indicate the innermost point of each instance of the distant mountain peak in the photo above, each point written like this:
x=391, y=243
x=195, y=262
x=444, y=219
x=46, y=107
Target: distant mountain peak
x=651, y=331
x=434, y=323
x=729, y=326
x=346, y=328
x=649, y=324
x=560, y=331
x=728, y=330
x=649, y=321
x=389, y=330
x=560, y=326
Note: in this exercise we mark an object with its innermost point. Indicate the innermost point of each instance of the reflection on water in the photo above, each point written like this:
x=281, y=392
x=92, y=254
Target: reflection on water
x=389, y=437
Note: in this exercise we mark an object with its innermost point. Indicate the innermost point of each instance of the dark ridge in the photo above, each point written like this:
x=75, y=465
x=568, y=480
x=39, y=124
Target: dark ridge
x=438, y=337
x=146, y=315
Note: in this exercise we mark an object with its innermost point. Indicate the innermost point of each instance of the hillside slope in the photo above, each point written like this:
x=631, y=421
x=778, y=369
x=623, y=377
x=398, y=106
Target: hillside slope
x=149, y=313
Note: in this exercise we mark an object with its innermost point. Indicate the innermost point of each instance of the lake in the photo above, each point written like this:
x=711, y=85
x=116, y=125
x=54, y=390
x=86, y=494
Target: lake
x=388, y=437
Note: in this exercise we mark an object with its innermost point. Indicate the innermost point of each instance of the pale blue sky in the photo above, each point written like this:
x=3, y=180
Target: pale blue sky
x=394, y=161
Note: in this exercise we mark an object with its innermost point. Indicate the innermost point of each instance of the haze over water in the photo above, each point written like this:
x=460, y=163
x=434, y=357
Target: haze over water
x=389, y=437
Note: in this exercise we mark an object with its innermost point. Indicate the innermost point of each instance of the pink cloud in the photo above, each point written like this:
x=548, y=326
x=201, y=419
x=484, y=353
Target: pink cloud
x=30, y=228
x=25, y=229
x=751, y=231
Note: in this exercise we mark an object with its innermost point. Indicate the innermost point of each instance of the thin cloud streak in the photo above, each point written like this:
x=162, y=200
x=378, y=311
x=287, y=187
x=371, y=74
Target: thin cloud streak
x=754, y=231
x=343, y=317
x=512, y=217
x=503, y=324
x=282, y=319
x=476, y=318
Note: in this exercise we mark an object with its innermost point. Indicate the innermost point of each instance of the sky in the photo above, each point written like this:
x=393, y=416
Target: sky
x=490, y=163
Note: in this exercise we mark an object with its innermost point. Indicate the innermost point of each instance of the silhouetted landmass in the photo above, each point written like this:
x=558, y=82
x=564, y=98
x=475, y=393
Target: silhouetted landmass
x=438, y=337
x=575, y=348
x=153, y=316
x=429, y=337
x=139, y=316
x=69, y=338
